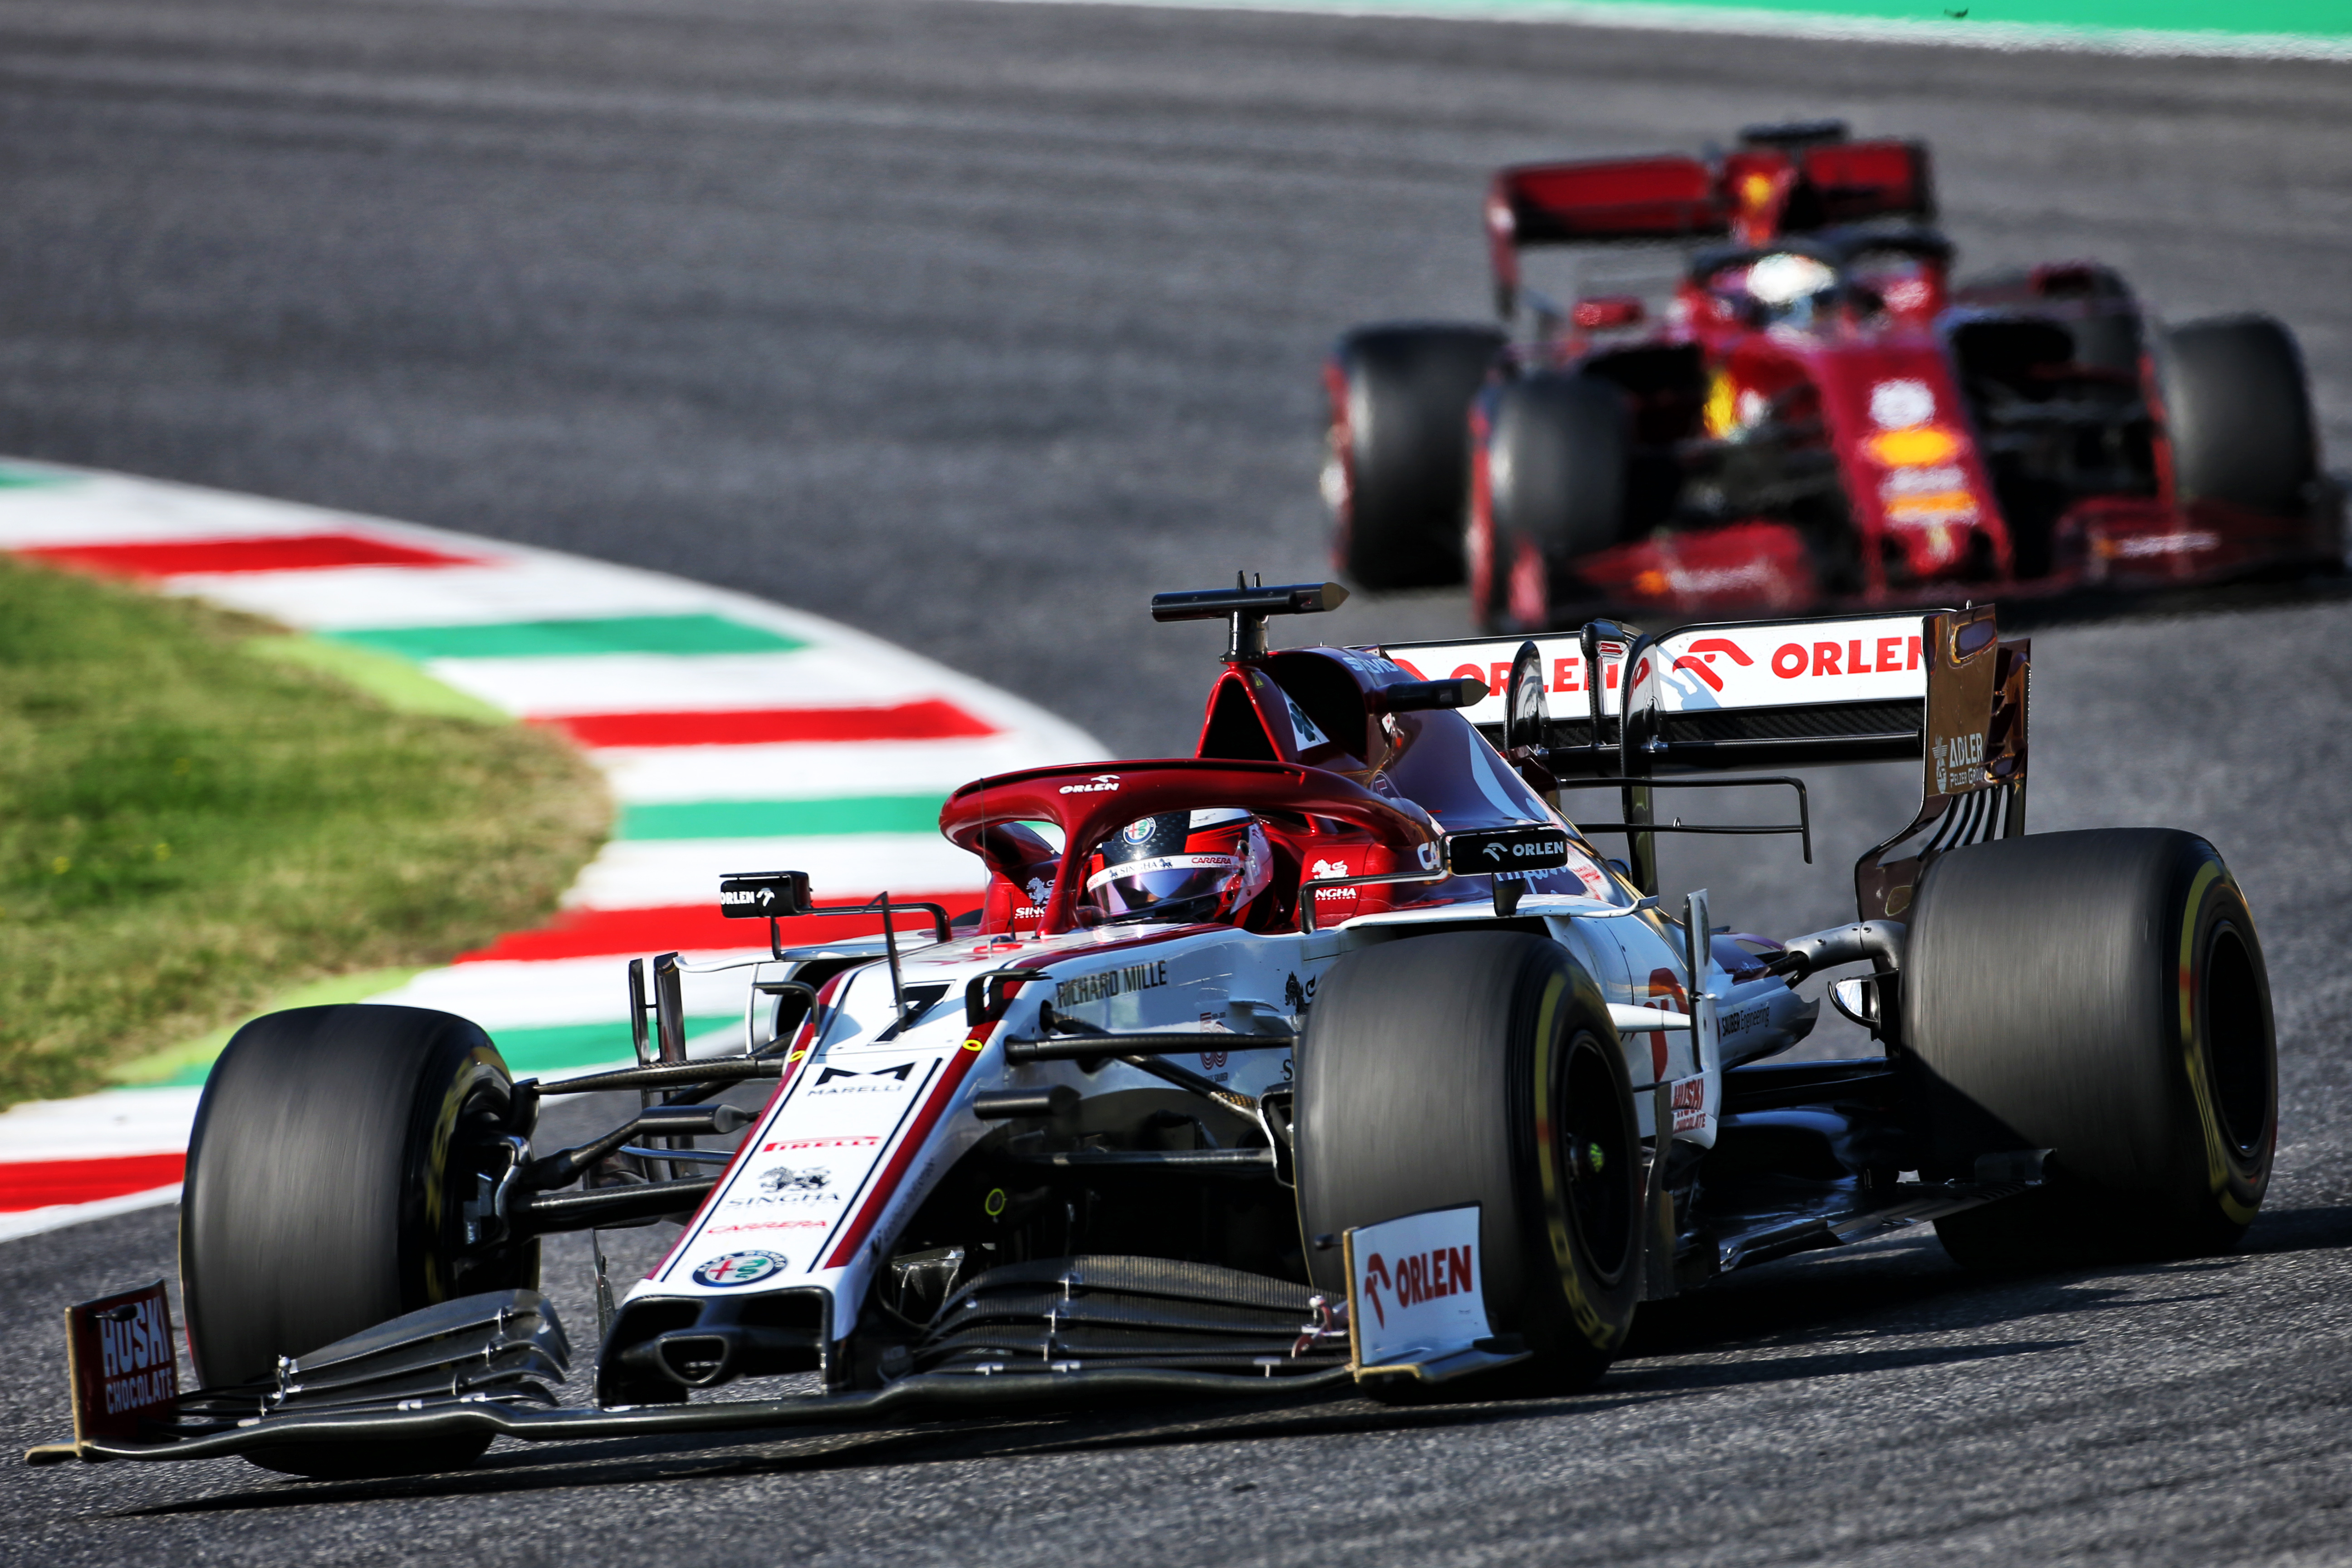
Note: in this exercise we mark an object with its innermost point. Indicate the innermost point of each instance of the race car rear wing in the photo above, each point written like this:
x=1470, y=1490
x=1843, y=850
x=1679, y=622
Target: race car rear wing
x=1706, y=700
x=1754, y=193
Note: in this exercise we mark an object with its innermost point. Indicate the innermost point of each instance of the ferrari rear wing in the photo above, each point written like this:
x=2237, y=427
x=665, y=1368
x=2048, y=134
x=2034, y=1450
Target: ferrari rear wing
x=1609, y=702
x=1754, y=193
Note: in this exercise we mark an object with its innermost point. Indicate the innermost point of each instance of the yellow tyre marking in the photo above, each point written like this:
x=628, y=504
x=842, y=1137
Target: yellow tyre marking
x=2193, y=1052
x=1600, y=1333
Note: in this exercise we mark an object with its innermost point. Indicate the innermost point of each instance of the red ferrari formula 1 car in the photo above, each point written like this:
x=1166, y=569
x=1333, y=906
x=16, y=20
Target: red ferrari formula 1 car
x=1817, y=417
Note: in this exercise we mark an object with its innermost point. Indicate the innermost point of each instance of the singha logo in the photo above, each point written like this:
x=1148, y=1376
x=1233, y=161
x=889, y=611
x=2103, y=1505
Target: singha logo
x=783, y=1179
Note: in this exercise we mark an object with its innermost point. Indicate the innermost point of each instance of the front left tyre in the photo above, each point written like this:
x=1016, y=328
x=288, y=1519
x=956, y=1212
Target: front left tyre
x=1480, y=1068
x=336, y=1179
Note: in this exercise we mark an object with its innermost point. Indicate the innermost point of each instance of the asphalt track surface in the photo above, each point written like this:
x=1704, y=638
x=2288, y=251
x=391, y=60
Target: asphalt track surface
x=972, y=325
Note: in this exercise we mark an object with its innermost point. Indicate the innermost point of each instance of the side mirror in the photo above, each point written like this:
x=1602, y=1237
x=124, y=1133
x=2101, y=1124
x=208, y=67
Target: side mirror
x=763, y=895
x=1419, y=696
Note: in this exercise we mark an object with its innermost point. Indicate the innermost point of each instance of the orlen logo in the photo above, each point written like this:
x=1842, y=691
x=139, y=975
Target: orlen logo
x=1702, y=654
x=763, y=897
x=1101, y=784
x=1418, y=1276
x=1521, y=850
x=1881, y=656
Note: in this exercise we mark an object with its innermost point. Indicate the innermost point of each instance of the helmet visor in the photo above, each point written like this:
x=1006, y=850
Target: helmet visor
x=1162, y=884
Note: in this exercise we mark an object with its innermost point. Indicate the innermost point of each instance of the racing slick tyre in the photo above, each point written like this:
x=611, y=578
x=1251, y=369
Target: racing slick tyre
x=2237, y=408
x=1480, y=1068
x=1556, y=460
x=333, y=1152
x=1400, y=462
x=2102, y=996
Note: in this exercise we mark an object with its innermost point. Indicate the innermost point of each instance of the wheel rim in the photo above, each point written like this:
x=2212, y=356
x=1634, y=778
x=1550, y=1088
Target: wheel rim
x=1597, y=1152
x=468, y=1250
x=2237, y=1040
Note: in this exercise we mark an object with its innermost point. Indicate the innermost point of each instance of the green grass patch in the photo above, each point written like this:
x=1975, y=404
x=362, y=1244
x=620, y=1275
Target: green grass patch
x=193, y=823
x=392, y=681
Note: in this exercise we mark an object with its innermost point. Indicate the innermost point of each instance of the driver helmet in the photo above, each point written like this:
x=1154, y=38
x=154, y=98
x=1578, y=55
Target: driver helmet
x=1790, y=285
x=1181, y=866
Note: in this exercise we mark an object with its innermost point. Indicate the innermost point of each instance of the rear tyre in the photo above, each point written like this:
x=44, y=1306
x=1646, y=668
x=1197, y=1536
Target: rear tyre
x=2238, y=409
x=334, y=1151
x=1401, y=449
x=1481, y=1068
x=2102, y=996
x=1557, y=456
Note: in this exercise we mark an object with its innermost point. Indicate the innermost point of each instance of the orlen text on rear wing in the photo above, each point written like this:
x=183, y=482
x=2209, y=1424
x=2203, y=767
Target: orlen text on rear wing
x=1749, y=194
x=1682, y=708
x=1705, y=698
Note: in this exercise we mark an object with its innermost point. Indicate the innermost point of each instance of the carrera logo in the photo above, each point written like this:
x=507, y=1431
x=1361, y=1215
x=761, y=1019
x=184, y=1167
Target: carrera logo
x=1419, y=1277
x=1101, y=784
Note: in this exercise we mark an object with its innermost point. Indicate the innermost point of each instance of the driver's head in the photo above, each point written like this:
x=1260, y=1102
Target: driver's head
x=1790, y=286
x=1181, y=866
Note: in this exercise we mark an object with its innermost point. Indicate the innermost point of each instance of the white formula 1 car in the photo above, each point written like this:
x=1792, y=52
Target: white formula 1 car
x=1333, y=1055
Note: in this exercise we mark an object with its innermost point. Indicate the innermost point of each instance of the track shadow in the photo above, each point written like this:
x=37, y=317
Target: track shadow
x=622, y=1463
x=1904, y=1291
x=2315, y=1229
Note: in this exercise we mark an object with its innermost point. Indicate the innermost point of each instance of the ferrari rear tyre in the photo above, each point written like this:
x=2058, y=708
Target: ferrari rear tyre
x=2238, y=409
x=334, y=1155
x=1481, y=1068
x=1401, y=449
x=2102, y=996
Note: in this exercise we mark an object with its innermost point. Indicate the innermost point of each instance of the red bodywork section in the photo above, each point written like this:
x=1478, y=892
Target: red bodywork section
x=1361, y=796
